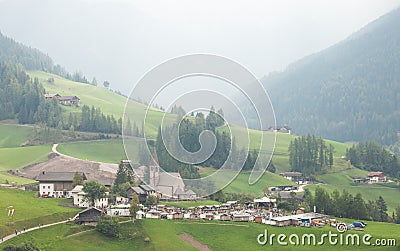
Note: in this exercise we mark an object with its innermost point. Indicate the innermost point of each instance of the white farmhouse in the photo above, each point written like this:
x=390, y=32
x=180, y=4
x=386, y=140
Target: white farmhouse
x=79, y=198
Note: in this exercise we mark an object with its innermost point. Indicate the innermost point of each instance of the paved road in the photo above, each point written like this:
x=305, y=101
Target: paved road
x=29, y=229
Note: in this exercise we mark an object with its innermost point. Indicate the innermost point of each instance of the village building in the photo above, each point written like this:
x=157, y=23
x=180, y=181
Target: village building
x=79, y=199
x=241, y=217
x=56, y=184
x=119, y=210
x=293, y=176
x=89, y=216
x=265, y=203
x=376, y=177
x=280, y=129
x=304, y=219
x=141, y=194
x=68, y=100
x=64, y=100
x=169, y=185
x=51, y=96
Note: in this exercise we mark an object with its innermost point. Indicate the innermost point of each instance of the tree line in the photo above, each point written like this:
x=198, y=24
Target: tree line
x=373, y=157
x=189, y=133
x=309, y=154
x=347, y=205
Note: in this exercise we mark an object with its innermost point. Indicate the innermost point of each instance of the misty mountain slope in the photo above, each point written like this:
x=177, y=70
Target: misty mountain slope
x=14, y=52
x=348, y=92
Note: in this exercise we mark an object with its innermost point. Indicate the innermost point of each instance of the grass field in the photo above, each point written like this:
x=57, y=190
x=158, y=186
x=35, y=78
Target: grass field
x=19, y=157
x=15, y=157
x=13, y=135
x=216, y=235
x=108, y=151
x=368, y=192
x=29, y=210
x=241, y=185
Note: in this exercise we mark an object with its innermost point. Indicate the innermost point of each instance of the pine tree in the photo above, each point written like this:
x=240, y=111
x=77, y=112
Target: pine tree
x=382, y=209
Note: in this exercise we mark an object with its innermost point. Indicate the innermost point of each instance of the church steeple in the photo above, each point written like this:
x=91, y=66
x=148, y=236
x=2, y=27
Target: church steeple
x=154, y=169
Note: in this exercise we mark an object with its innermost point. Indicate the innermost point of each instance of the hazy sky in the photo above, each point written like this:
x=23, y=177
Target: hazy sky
x=121, y=40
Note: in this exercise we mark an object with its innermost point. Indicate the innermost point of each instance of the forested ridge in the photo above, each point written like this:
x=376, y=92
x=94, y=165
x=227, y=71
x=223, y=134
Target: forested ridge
x=12, y=52
x=348, y=92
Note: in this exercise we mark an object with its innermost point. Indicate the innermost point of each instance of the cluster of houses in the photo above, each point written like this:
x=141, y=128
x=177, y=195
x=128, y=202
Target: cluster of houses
x=60, y=185
x=372, y=177
x=262, y=210
x=64, y=100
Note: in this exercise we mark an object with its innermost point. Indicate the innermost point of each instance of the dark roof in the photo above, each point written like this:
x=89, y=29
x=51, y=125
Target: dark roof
x=62, y=98
x=372, y=174
x=291, y=174
x=89, y=209
x=105, y=181
x=137, y=190
x=147, y=188
x=57, y=176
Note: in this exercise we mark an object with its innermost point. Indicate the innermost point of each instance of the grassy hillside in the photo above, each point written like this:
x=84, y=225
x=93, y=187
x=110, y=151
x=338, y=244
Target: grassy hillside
x=216, y=235
x=15, y=157
x=109, y=151
x=30, y=211
x=14, y=136
x=109, y=102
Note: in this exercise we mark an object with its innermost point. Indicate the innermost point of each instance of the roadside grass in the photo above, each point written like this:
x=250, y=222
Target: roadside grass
x=30, y=211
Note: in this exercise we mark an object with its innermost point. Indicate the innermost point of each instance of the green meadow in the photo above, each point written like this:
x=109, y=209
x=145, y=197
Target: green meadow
x=30, y=211
x=14, y=135
x=108, y=151
x=109, y=102
x=15, y=157
x=163, y=235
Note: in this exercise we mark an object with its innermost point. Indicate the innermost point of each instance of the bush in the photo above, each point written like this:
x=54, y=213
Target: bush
x=25, y=246
x=109, y=226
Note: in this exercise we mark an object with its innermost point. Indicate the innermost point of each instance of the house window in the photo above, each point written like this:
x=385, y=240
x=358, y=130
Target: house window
x=48, y=187
x=44, y=187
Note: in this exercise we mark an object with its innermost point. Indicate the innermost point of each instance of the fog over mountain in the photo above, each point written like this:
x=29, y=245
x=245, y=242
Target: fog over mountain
x=119, y=41
x=348, y=92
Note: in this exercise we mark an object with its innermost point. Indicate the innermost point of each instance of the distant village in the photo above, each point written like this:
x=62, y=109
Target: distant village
x=262, y=210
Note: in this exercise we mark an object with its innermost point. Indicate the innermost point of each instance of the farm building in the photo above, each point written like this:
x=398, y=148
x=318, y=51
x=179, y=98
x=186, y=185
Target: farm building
x=141, y=194
x=376, y=177
x=265, y=203
x=56, y=184
x=241, y=217
x=89, y=216
x=293, y=176
x=119, y=210
x=296, y=219
x=68, y=100
x=79, y=198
